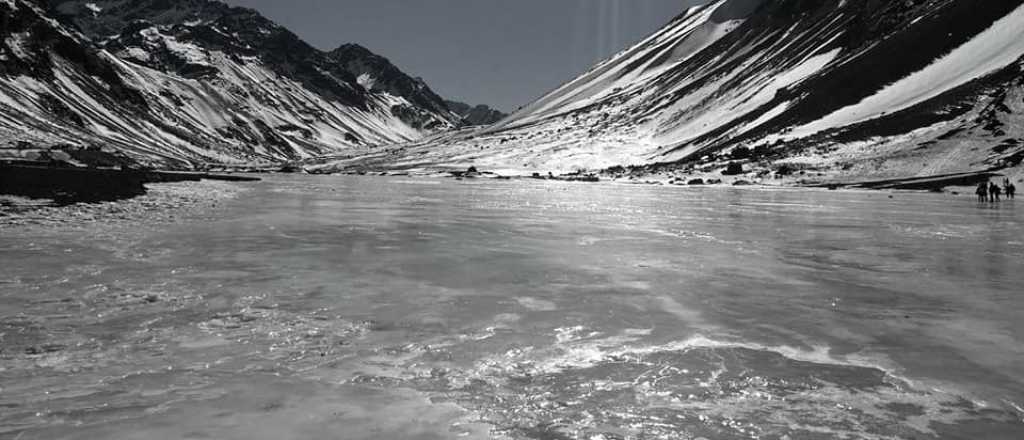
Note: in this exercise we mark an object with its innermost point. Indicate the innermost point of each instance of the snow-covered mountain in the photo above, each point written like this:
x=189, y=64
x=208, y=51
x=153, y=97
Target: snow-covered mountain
x=855, y=87
x=186, y=82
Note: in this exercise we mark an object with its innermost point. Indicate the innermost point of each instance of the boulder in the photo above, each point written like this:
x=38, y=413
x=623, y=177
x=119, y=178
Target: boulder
x=734, y=169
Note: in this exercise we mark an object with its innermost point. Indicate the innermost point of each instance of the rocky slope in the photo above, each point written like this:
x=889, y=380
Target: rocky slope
x=376, y=74
x=841, y=88
x=190, y=82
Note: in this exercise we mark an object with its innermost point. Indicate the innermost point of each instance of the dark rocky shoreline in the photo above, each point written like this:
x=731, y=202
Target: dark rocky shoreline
x=68, y=185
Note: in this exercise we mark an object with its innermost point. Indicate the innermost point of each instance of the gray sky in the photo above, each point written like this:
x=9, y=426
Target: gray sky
x=503, y=53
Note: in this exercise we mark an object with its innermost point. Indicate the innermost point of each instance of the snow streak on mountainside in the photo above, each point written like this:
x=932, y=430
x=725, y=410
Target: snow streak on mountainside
x=864, y=87
x=188, y=82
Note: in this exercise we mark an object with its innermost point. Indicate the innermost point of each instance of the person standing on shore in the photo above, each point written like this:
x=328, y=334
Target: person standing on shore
x=993, y=192
x=1010, y=189
x=982, y=192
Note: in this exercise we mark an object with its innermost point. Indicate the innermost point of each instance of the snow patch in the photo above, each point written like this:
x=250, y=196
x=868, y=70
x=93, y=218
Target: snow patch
x=767, y=116
x=18, y=43
x=366, y=80
x=136, y=53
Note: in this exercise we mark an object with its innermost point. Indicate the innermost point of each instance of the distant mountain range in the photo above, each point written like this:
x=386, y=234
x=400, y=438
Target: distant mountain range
x=476, y=115
x=856, y=88
x=187, y=82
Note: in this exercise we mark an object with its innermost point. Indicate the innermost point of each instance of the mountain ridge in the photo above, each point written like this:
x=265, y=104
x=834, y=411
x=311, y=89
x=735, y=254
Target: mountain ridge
x=184, y=83
x=843, y=88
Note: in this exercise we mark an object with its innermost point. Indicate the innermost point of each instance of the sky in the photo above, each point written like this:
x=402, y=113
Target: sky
x=502, y=53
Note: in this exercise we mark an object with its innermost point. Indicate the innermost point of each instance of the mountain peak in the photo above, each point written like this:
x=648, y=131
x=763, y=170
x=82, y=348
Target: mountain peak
x=354, y=49
x=377, y=73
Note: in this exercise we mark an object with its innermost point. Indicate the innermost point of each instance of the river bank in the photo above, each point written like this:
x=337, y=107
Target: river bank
x=64, y=184
x=162, y=203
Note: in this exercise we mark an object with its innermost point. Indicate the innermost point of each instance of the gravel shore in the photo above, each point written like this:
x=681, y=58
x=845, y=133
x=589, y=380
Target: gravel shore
x=163, y=203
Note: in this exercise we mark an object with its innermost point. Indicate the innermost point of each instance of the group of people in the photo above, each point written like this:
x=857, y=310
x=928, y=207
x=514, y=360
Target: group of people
x=990, y=192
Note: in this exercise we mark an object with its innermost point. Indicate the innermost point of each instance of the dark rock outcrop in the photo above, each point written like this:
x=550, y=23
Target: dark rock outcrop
x=66, y=185
x=734, y=169
x=476, y=115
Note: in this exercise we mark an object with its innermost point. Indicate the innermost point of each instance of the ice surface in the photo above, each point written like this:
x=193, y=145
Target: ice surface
x=404, y=308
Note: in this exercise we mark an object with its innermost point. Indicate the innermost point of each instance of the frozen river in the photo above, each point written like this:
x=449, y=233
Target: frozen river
x=392, y=308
